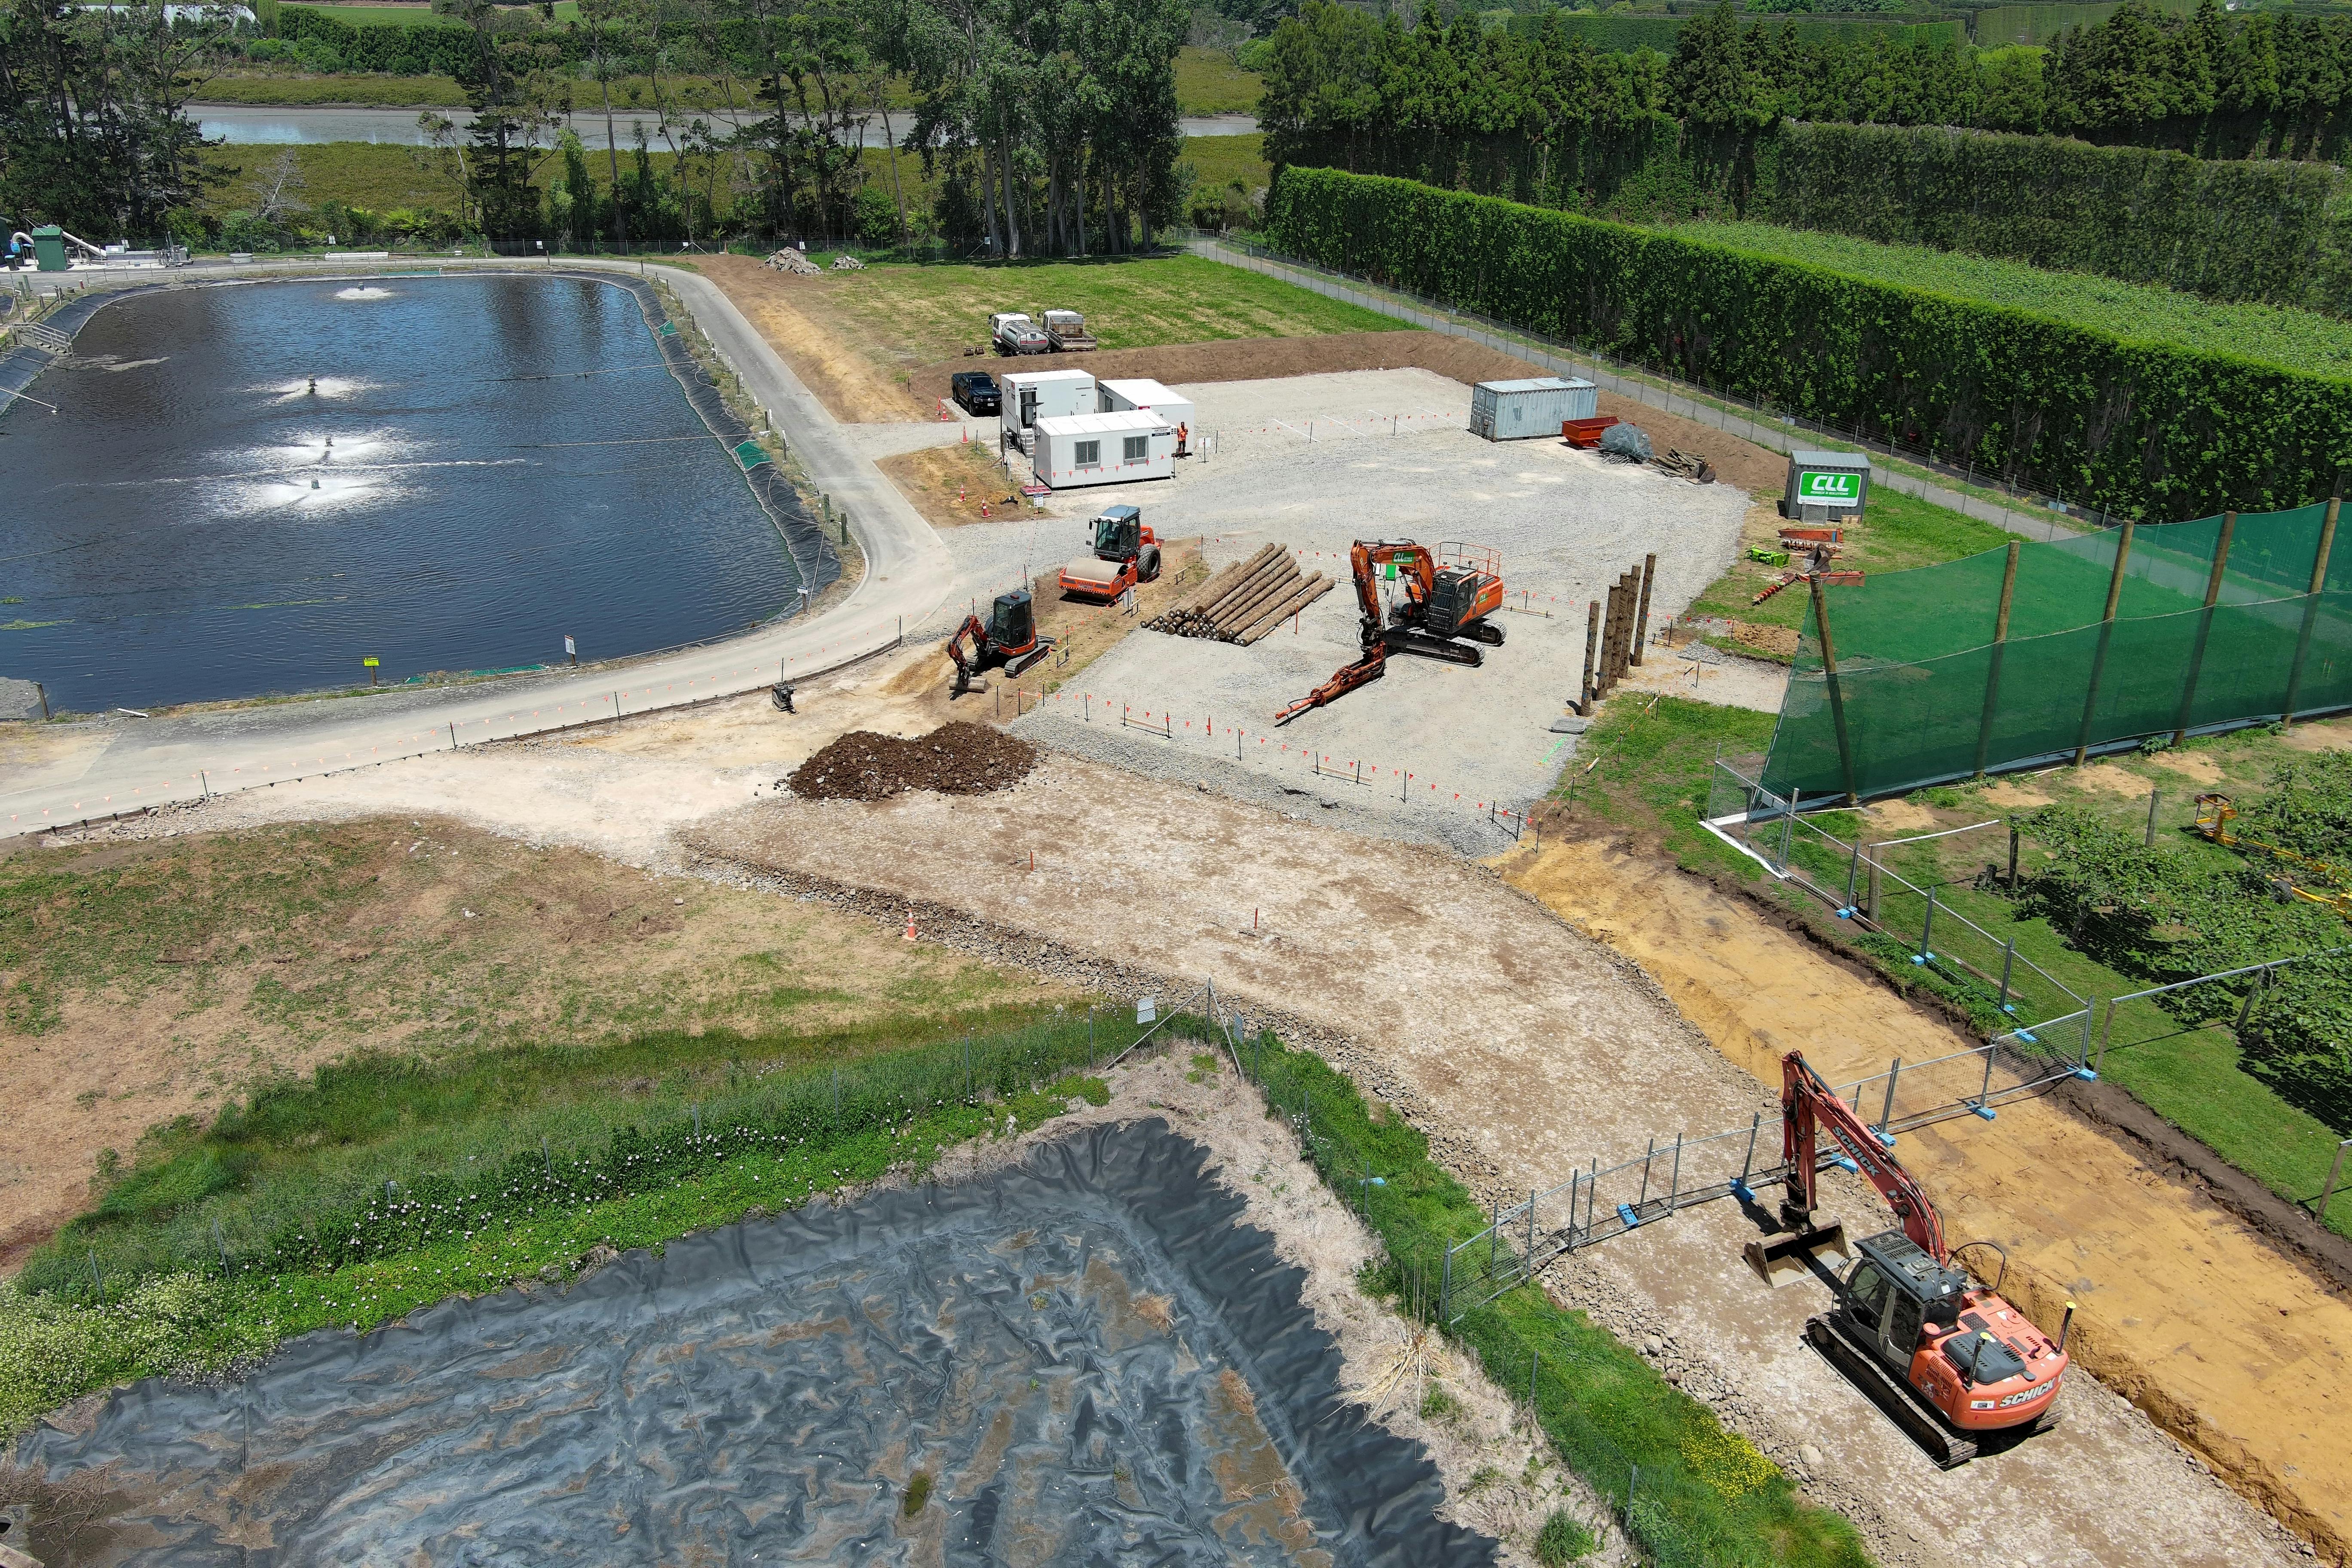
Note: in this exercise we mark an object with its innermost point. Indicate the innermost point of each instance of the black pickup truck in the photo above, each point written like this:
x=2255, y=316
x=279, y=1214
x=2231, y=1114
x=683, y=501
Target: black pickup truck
x=976, y=391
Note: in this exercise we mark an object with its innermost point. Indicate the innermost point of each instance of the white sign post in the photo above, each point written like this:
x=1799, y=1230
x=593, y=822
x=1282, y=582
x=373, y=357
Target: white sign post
x=1147, y=1011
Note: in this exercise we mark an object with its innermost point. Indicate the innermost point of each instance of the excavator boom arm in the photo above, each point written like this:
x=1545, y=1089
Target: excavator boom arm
x=1808, y=1104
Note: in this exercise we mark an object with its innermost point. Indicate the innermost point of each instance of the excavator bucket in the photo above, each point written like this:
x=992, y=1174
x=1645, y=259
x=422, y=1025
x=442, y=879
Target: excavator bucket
x=1792, y=1255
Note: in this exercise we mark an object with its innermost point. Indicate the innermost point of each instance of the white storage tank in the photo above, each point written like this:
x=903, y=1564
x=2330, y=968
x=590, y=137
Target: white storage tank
x=1515, y=410
x=1114, y=396
x=1030, y=396
x=1104, y=448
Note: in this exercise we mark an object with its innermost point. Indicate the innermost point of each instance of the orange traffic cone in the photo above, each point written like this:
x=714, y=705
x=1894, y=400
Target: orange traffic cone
x=910, y=925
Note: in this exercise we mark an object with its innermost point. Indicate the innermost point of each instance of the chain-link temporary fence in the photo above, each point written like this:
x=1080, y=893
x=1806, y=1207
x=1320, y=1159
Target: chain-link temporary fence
x=2052, y=650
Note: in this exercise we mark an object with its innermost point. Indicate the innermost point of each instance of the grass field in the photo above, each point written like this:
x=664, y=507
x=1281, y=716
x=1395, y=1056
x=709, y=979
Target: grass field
x=379, y=176
x=2295, y=339
x=912, y=315
x=1207, y=81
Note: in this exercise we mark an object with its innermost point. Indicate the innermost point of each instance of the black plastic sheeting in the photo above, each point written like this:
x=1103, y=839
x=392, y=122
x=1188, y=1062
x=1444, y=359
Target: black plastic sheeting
x=1087, y=1356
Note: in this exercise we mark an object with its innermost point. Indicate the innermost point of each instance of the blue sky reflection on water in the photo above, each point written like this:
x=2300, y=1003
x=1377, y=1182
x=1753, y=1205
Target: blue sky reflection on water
x=486, y=465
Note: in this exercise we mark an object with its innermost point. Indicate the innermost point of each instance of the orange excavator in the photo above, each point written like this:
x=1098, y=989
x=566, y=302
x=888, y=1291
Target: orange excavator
x=1440, y=613
x=1010, y=639
x=1947, y=1359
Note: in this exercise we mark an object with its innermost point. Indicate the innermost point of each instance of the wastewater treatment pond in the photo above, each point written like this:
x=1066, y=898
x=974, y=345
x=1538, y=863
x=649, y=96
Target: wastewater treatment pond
x=251, y=488
x=1084, y=1359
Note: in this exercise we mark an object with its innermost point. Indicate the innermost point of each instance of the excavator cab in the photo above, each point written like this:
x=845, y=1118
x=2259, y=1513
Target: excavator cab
x=1013, y=624
x=1453, y=600
x=1893, y=1291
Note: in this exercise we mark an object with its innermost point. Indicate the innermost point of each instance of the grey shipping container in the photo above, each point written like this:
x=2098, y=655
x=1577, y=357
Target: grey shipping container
x=1515, y=410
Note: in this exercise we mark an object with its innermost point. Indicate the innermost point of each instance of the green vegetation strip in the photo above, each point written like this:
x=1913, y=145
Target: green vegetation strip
x=2295, y=339
x=1687, y=1491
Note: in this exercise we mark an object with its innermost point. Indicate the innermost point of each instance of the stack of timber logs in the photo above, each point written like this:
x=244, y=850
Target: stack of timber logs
x=1613, y=637
x=1245, y=601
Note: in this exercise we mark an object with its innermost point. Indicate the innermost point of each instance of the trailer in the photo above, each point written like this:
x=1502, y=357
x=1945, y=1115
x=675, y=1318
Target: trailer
x=1067, y=331
x=1030, y=396
x=1080, y=449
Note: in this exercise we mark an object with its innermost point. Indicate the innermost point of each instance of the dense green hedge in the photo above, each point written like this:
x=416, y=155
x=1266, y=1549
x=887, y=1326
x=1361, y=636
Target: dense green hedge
x=2277, y=232
x=2131, y=427
x=411, y=49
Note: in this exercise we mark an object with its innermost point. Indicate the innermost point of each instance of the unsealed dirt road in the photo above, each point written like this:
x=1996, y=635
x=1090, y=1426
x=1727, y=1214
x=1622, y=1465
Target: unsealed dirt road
x=2231, y=1347
x=1527, y=1047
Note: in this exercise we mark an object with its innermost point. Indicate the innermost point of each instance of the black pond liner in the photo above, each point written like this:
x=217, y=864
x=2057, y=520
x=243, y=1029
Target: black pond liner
x=1087, y=1356
x=814, y=560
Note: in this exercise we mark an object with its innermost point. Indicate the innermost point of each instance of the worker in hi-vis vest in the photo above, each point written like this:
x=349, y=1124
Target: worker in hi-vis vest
x=1183, y=437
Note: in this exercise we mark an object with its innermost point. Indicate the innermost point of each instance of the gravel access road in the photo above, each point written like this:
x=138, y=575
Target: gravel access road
x=122, y=763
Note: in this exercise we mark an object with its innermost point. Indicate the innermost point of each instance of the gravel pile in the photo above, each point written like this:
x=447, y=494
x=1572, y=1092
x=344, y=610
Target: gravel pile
x=958, y=758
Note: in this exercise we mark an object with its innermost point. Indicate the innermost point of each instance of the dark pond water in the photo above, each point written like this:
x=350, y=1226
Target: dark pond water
x=487, y=465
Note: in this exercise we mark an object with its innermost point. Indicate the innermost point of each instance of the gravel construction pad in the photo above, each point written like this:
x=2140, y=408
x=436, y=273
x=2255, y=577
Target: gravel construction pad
x=1566, y=523
x=1085, y=1353
x=958, y=758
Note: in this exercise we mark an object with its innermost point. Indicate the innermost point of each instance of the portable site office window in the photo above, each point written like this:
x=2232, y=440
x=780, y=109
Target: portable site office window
x=1087, y=454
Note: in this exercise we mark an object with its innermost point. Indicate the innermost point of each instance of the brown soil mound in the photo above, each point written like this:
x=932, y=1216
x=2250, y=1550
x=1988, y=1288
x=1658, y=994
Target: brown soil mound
x=958, y=758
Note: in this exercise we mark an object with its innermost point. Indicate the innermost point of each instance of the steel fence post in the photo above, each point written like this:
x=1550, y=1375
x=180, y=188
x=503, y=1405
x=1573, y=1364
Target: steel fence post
x=1789, y=825
x=2106, y=1029
x=1886, y=1112
x=2254, y=990
x=1927, y=925
x=1575, y=1181
x=1445, y=1287
x=1748, y=1165
x=2334, y=1170
x=1853, y=868
x=1984, y=1093
x=1675, y=1183
x=1647, y=1155
x=2008, y=959
x=1494, y=1240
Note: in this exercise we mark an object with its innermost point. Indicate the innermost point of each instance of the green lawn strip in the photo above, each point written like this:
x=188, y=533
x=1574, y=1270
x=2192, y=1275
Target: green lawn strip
x=1208, y=82
x=1899, y=533
x=1687, y=1490
x=53, y=1349
x=2296, y=340
x=915, y=315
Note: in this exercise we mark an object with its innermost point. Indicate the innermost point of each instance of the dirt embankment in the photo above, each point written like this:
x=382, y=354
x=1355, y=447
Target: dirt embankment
x=2235, y=1349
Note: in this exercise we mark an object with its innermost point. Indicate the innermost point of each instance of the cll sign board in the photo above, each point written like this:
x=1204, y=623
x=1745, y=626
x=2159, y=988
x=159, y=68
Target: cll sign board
x=1825, y=485
x=1828, y=487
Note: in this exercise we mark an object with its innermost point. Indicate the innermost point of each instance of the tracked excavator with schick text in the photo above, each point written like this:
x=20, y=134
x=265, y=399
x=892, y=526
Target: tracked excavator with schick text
x=1418, y=600
x=1949, y=1359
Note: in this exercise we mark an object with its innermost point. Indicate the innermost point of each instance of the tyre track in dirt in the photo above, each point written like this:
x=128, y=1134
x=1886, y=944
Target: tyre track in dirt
x=2234, y=1348
x=1526, y=1046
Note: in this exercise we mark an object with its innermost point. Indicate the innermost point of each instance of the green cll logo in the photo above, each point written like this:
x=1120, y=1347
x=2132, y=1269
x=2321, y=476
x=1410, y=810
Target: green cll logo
x=1828, y=487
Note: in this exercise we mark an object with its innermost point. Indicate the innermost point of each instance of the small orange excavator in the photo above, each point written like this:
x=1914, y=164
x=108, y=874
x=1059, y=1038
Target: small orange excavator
x=1448, y=594
x=1946, y=1358
x=1010, y=639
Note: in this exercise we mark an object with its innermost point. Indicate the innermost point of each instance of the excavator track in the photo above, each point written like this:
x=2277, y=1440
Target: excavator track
x=1921, y=1422
x=1405, y=639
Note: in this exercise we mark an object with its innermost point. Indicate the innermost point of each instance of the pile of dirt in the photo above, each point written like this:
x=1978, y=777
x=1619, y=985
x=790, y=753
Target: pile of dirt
x=958, y=758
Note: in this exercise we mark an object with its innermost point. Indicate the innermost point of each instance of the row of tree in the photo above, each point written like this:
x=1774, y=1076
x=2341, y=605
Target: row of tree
x=1345, y=88
x=1054, y=122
